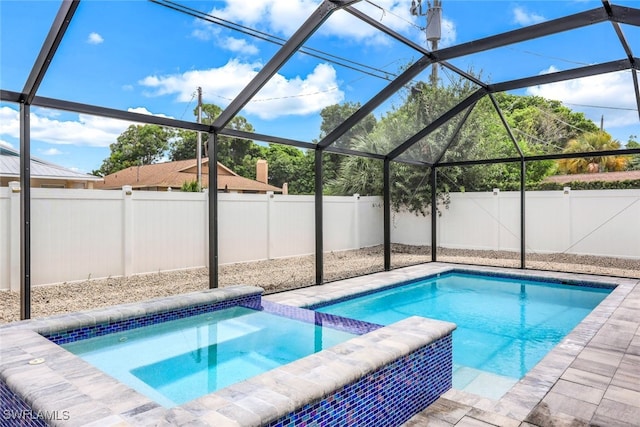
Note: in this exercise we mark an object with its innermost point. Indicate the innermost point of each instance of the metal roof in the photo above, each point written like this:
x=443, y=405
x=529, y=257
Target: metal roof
x=10, y=167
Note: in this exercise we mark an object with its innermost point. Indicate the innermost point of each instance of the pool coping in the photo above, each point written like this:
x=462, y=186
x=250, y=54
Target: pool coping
x=72, y=392
x=519, y=402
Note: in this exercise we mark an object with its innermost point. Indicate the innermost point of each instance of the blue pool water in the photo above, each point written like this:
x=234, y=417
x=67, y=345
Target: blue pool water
x=177, y=361
x=505, y=325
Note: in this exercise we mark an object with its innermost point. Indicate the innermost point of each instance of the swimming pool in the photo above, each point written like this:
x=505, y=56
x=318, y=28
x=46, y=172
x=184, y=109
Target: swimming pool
x=179, y=360
x=505, y=325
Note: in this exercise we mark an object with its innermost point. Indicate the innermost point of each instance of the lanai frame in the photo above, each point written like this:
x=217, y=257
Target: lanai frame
x=614, y=14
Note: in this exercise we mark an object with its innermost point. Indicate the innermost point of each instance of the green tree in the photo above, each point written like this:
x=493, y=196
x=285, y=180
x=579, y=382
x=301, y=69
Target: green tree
x=539, y=126
x=634, y=160
x=592, y=141
x=332, y=117
x=544, y=125
x=183, y=146
x=409, y=184
x=238, y=154
x=285, y=165
x=190, y=187
x=138, y=145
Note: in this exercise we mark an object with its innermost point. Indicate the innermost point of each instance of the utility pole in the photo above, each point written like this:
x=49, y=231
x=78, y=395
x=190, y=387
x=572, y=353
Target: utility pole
x=433, y=28
x=199, y=142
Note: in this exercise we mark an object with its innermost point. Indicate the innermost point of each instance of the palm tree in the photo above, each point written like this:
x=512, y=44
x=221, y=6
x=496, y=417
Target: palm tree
x=588, y=142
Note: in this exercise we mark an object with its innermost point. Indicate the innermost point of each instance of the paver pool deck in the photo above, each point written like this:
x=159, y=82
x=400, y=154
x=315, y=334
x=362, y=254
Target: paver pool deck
x=591, y=378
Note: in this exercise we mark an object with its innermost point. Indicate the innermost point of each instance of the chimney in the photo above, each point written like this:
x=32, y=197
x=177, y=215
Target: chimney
x=262, y=171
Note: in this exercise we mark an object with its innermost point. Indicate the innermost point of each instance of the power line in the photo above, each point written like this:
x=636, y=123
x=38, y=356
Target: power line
x=541, y=55
x=316, y=53
x=602, y=106
x=193, y=95
x=384, y=10
x=331, y=89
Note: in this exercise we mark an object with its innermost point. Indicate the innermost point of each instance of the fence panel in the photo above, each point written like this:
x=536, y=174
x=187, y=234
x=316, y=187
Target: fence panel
x=410, y=229
x=339, y=223
x=605, y=223
x=472, y=221
x=77, y=234
x=370, y=222
x=168, y=231
x=5, y=238
x=548, y=221
x=293, y=226
x=243, y=227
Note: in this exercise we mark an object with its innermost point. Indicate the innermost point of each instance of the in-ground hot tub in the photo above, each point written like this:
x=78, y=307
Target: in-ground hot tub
x=383, y=375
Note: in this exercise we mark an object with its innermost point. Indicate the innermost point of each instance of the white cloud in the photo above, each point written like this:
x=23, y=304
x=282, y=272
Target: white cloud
x=86, y=130
x=95, y=38
x=285, y=17
x=6, y=144
x=9, y=122
x=51, y=152
x=523, y=17
x=448, y=33
x=143, y=110
x=607, y=90
x=281, y=96
x=239, y=45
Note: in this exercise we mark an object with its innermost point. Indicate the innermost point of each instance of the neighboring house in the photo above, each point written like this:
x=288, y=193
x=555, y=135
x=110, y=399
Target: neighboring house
x=171, y=175
x=43, y=174
x=593, y=177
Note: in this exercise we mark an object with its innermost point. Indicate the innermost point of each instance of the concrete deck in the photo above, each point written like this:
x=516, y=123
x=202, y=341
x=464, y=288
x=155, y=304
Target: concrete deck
x=591, y=378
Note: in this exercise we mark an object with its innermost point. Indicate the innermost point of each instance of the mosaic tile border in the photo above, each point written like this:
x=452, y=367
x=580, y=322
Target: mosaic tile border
x=506, y=275
x=538, y=278
x=77, y=334
x=388, y=396
x=253, y=302
x=15, y=412
x=340, y=323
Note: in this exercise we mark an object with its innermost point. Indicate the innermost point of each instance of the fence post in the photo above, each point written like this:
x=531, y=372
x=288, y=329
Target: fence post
x=356, y=220
x=567, y=219
x=270, y=226
x=498, y=218
x=14, y=236
x=127, y=230
x=206, y=227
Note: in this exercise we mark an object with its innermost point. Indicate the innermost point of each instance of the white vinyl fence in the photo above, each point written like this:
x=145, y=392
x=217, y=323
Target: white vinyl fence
x=80, y=234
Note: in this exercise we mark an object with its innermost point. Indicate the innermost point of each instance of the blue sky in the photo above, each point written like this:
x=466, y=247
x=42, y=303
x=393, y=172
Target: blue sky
x=141, y=56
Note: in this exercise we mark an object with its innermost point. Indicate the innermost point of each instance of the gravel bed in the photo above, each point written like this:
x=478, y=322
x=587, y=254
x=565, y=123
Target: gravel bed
x=282, y=274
